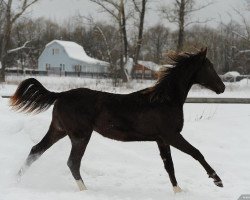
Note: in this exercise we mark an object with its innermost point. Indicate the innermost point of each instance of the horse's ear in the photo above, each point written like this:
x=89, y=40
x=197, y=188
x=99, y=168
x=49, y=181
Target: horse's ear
x=203, y=53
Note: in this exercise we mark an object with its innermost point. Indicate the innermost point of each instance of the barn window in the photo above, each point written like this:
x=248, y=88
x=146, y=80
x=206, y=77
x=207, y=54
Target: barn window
x=55, y=51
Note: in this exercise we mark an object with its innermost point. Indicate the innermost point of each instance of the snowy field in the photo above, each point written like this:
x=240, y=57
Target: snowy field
x=128, y=171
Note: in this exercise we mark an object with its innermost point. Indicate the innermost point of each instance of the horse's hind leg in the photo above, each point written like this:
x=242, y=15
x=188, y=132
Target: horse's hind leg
x=51, y=137
x=79, y=143
x=165, y=153
x=180, y=143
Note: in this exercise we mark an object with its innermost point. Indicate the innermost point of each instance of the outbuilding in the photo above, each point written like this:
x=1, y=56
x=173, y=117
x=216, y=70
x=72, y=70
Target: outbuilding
x=67, y=56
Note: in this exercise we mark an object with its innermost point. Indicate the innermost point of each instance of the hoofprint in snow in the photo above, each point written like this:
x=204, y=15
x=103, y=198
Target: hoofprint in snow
x=117, y=170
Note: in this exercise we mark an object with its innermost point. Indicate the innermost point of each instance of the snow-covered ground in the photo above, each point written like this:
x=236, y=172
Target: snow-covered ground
x=122, y=171
x=239, y=89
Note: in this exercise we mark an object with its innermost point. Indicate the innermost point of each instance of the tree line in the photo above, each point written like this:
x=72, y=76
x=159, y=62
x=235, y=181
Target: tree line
x=23, y=38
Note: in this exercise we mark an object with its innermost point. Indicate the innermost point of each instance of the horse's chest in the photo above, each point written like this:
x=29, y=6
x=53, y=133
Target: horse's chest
x=172, y=120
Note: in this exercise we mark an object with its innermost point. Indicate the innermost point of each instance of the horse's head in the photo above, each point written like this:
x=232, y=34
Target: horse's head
x=206, y=74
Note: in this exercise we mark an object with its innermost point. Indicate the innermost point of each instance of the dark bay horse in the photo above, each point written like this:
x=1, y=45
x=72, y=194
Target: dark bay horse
x=152, y=114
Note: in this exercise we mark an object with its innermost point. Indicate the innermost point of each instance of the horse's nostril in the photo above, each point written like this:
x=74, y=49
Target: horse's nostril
x=221, y=89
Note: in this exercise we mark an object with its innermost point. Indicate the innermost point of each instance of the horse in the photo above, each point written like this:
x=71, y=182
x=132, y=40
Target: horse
x=152, y=114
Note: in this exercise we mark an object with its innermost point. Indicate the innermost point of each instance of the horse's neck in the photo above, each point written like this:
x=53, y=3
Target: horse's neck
x=180, y=86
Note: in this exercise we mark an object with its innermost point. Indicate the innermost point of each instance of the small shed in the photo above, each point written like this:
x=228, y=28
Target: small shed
x=146, y=69
x=65, y=56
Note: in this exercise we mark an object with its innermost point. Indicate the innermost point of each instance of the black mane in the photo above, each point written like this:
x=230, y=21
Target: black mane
x=165, y=88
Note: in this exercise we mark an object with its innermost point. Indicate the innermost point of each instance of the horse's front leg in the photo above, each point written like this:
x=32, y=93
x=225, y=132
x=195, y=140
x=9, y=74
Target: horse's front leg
x=165, y=153
x=180, y=143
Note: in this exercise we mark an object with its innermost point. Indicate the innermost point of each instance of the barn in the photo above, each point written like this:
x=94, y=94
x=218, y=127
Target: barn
x=66, y=56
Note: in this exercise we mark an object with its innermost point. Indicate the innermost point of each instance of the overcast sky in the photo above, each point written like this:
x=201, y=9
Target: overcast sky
x=60, y=10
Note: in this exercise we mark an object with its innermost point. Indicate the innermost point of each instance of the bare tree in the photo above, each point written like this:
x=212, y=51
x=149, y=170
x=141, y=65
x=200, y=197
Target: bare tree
x=116, y=9
x=1, y=15
x=140, y=8
x=246, y=24
x=10, y=18
x=155, y=43
x=180, y=14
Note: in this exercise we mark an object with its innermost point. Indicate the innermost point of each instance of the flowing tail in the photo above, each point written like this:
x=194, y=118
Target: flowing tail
x=31, y=96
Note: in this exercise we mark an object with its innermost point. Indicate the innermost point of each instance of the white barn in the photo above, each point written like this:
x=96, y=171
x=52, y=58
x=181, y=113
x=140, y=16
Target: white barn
x=66, y=56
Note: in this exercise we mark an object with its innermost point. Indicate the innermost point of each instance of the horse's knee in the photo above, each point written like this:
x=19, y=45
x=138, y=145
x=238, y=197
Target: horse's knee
x=70, y=164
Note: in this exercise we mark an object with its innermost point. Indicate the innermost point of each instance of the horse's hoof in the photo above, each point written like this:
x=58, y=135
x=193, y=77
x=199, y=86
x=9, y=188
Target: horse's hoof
x=19, y=175
x=218, y=183
x=217, y=180
x=81, y=185
x=177, y=189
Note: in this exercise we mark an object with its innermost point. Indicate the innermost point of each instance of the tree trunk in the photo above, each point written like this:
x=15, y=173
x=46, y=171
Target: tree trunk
x=140, y=34
x=123, y=28
x=6, y=39
x=124, y=41
x=181, y=26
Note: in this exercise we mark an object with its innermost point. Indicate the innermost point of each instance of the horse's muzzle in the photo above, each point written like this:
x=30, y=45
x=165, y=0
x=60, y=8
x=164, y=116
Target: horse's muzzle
x=221, y=88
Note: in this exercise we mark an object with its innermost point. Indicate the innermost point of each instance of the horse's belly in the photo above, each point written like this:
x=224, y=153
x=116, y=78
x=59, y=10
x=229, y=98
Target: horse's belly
x=116, y=133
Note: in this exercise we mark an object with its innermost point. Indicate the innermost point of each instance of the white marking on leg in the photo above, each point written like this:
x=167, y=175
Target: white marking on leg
x=22, y=170
x=21, y=173
x=81, y=185
x=177, y=189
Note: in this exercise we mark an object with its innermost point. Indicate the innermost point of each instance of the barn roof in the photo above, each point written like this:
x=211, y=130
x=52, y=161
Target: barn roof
x=76, y=52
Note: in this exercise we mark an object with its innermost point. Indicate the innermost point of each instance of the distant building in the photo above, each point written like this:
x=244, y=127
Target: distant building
x=146, y=69
x=65, y=56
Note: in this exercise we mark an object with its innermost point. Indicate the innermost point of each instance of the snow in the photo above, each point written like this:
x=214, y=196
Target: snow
x=128, y=66
x=245, y=51
x=76, y=51
x=232, y=74
x=126, y=171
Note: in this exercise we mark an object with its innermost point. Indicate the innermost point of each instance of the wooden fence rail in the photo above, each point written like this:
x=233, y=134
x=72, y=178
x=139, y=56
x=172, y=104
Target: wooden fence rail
x=208, y=100
x=219, y=100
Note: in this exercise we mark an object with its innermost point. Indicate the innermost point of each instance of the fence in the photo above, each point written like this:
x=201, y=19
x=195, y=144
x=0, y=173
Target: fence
x=17, y=72
x=20, y=72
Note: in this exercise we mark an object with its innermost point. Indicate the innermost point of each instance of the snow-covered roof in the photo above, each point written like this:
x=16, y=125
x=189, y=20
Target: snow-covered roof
x=150, y=65
x=76, y=51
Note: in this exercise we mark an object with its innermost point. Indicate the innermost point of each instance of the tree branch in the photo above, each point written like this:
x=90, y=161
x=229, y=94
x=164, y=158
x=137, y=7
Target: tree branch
x=240, y=35
x=244, y=21
x=136, y=6
x=19, y=48
x=198, y=22
x=110, y=11
x=25, y=5
x=199, y=8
